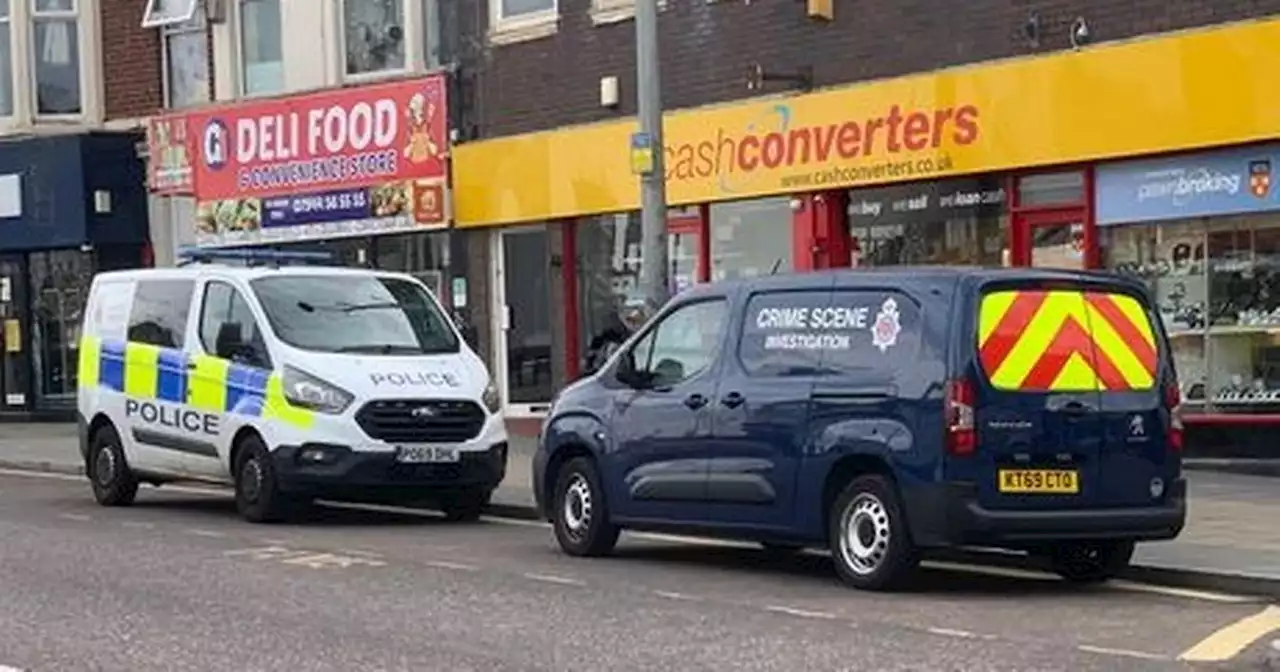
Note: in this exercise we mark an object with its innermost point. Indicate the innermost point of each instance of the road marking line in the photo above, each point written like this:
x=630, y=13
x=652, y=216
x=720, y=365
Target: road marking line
x=206, y=533
x=1229, y=641
x=1188, y=593
x=676, y=596
x=951, y=632
x=802, y=613
x=6, y=668
x=1127, y=653
x=1004, y=572
x=515, y=522
x=137, y=525
x=442, y=564
x=78, y=517
x=560, y=580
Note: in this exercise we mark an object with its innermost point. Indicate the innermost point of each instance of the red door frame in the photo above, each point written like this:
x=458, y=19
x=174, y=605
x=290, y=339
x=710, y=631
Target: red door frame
x=1024, y=219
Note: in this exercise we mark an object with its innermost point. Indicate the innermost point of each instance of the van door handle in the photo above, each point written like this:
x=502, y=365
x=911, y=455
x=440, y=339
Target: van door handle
x=695, y=401
x=1075, y=408
x=732, y=400
x=192, y=365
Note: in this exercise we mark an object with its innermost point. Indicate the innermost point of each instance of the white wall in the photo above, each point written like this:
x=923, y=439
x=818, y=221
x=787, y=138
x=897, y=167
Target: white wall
x=312, y=45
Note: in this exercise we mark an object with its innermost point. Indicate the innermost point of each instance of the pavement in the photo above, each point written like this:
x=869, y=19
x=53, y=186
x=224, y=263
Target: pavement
x=1231, y=542
x=179, y=582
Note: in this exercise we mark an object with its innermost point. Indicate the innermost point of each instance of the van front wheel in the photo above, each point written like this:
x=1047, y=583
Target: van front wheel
x=258, y=496
x=580, y=515
x=868, y=534
x=1090, y=562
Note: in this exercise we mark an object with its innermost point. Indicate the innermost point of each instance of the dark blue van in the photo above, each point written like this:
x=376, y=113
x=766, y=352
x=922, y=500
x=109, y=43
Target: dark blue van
x=881, y=413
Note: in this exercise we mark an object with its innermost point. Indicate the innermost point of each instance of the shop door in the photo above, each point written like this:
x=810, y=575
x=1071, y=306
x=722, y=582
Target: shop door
x=1051, y=240
x=522, y=320
x=16, y=365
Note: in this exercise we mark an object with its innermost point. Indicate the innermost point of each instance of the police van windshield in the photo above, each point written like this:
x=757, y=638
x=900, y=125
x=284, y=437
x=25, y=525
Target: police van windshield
x=355, y=314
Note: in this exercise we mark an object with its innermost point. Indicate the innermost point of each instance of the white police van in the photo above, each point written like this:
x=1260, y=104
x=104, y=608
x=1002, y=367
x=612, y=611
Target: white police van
x=290, y=381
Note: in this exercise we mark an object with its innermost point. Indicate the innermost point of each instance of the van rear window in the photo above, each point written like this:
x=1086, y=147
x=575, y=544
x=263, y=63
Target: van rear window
x=820, y=332
x=1037, y=340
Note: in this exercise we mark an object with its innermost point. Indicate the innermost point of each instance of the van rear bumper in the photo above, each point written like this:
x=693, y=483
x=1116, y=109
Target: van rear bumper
x=377, y=477
x=956, y=518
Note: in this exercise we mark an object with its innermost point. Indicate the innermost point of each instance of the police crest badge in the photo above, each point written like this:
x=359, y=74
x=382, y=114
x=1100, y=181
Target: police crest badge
x=885, y=330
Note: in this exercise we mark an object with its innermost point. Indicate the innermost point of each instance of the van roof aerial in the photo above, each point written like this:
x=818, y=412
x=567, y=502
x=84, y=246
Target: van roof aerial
x=250, y=256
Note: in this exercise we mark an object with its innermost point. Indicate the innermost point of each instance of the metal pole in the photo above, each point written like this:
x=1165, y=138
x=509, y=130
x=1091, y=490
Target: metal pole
x=654, y=267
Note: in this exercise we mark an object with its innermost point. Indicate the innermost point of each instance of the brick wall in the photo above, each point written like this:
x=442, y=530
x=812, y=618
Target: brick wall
x=707, y=47
x=131, y=63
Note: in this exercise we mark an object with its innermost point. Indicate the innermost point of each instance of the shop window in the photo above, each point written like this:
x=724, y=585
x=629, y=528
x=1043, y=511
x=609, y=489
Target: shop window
x=1051, y=189
x=750, y=238
x=186, y=58
x=609, y=298
x=6, y=61
x=1216, y=283
x=56, y=40
x=422, y=255
x=374, y=34
x=261, y=50
x=951, y=222
x=159, y=314
x=60, y=285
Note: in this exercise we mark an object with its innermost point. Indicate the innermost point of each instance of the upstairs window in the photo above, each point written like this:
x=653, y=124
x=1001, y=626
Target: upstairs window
x=6, y=61
x=373, y=33
x=186, y=58
x=261, y=51
x=168, y=12
x=56, y=44
x=515, y=11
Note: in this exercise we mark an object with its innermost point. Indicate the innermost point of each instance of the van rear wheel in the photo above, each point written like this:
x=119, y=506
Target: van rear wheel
x=114, y=483
x=867, y=531
x=1090, y=562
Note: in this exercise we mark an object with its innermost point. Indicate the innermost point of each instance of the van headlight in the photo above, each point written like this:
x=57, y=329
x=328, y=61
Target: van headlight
x=492, y=400
x=305, y=390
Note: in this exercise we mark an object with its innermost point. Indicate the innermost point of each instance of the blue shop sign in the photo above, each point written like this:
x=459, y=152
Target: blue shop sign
x=1233, y=181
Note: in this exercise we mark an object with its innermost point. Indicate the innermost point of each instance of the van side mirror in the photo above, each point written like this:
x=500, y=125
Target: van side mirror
x=627, y=374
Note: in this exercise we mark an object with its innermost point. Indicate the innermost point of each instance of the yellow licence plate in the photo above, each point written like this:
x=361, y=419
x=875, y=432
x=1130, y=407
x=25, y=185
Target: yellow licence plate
x=1039, y=481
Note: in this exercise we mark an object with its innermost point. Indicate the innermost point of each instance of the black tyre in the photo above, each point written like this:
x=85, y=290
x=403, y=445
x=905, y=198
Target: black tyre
x=580, y=514
x=870, y=543
x=465, y=507
x=114, y=483
x=1090, y=562
x=258, y=496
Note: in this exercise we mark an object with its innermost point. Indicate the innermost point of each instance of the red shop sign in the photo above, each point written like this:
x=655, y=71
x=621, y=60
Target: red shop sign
x=337, y=139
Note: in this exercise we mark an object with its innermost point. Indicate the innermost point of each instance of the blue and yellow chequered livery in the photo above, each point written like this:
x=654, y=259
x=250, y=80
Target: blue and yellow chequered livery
x=211, y=384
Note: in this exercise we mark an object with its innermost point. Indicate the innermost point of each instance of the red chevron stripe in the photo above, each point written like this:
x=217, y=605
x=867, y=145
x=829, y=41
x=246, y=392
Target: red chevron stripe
x=1009, y=329
x=1128, y=331
x=1072, y=339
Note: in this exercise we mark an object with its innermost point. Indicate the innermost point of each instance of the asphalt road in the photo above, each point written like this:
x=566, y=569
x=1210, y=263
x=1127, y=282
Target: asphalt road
x=179, y=582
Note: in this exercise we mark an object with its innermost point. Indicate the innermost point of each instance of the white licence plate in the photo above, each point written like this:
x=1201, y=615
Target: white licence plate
x=427, y=454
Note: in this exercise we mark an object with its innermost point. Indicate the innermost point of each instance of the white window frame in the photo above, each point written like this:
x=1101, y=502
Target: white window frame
x=7, y=20
x=407, y=45
x=170, y=30
x=150, y=20
x=616, y=11
x=242, y=63
x=83, y=46
x=521, y=27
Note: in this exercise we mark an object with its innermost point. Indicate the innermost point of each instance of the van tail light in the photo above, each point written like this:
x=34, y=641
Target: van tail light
x=1173, y=403
x=962, y=436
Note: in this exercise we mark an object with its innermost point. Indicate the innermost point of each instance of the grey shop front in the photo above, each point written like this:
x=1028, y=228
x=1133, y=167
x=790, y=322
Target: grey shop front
x=70, y=206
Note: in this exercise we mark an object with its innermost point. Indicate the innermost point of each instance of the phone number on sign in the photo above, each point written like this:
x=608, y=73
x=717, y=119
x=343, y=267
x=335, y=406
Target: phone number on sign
x=328, y=202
